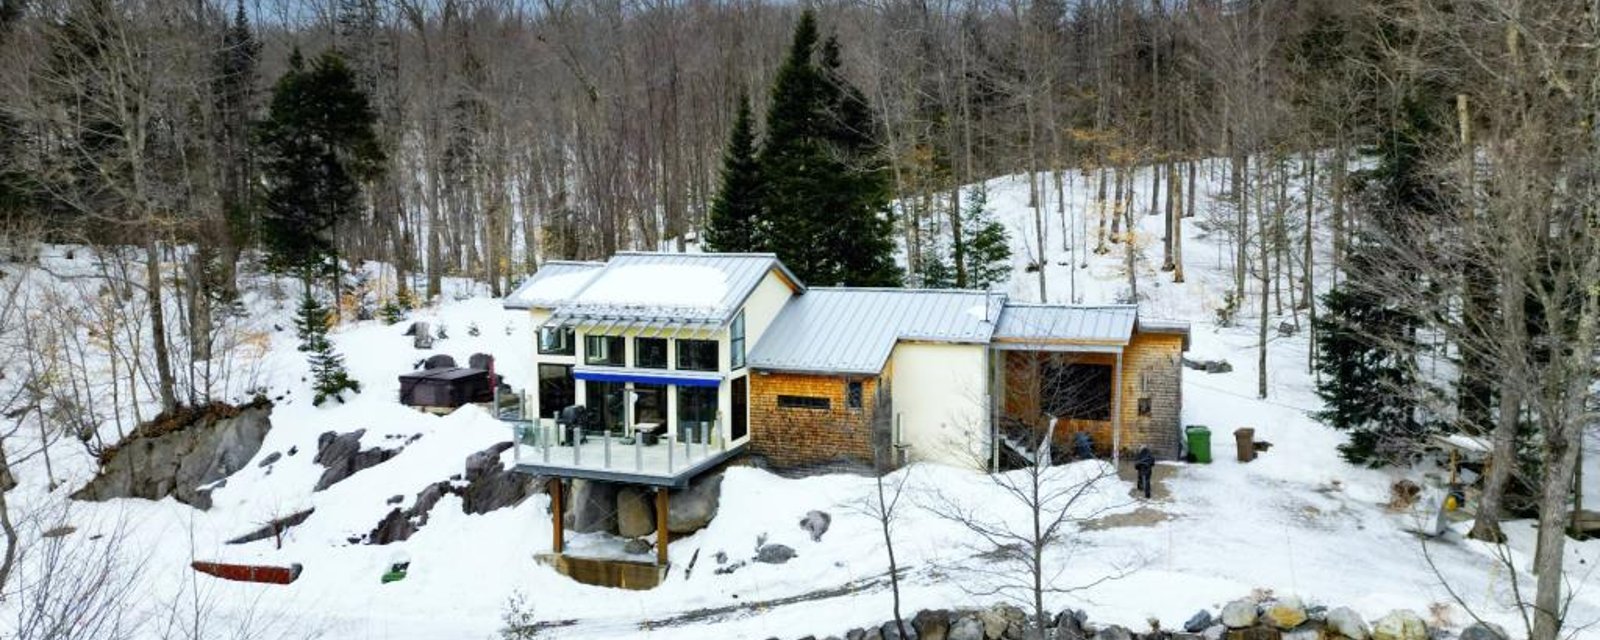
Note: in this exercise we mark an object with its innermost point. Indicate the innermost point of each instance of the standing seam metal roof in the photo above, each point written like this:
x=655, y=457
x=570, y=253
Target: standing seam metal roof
x=742, y=272
x=854, y=330
x=531, y=294
x=1067, y=323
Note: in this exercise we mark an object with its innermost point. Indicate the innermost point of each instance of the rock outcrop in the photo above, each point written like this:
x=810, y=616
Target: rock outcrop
x=342, y=455
x=177, y=454
x=491, y=486
x=636, y=513
x=592, y=507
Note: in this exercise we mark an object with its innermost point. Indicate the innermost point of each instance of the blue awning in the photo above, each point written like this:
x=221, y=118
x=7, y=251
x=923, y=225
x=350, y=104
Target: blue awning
x=641, y=377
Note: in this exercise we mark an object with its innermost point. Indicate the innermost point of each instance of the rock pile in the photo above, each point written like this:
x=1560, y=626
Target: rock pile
x=179, y=454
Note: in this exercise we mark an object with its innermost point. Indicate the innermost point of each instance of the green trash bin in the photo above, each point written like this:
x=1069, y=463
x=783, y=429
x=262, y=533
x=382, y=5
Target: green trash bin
x=1199, y=443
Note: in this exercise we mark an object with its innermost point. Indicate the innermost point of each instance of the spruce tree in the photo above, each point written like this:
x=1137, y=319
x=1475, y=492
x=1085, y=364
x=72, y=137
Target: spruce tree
x=986, y=246
x=329, y=378
x=825, y=187
x=1365, y=383
x=318, y=145
x=735, y=212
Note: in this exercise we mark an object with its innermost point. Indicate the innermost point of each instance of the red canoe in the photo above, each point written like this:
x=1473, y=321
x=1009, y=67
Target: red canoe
x=249, y=573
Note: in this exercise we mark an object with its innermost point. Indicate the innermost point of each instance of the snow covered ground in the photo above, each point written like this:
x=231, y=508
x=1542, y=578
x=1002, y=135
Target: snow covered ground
x=1298, y=520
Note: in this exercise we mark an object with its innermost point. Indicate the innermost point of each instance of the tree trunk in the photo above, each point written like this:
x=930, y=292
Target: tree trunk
x=158, y=323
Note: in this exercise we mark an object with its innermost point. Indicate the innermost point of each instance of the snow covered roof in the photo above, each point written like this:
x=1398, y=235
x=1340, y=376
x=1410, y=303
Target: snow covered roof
x=553, y=284
x=853, y=330
x=1066, y=323
x=670, y=288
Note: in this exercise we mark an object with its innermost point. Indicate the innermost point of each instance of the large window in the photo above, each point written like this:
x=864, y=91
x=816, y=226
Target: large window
x=556, y=389
x=606, y=398
x=697, y=412
x=649, y=403
x=650, y=353
x=1076, y=391
x=555, y=341
x=697, y=355
x=736, y=343
x=604, y=350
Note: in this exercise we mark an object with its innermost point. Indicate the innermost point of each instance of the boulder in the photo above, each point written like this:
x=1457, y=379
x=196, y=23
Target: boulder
x=891, y=631
x=637, y=546
x=774, y=554
x=1198, y=622
x=1346, y=622
x=1114, y=632
x=394, y=527
x=274, y=528
x=1311, y=631
x=967, y=627
x=1258, y=632
x=1400, y=624
x=592, y=507
x=932, y=625
x=271, y=458
x=1070, y=625
x=341, y=456
x=179, y=454
x=816, y=523
x=1286, y=613
x=1214, y=632
x=994, y=622
x=439, y=361
x=693, y=508
x=1239, y=614
x=636, y=513
x=491, y=486
x=1484, y=631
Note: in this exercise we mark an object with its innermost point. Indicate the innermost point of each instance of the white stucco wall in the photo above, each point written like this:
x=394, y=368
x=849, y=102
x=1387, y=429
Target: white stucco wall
x=940, y=399
x=763, y=307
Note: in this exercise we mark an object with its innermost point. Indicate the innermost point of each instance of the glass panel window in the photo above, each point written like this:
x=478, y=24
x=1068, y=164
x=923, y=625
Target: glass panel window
x=650, y=353
x=697, y=413
x=606, y=399
x=736, y=343
x=604, y=350
x=1076, y=391
x=556, y=389
x=852, y=394
x=697, y=355
x=649, y=403
x=555, y=341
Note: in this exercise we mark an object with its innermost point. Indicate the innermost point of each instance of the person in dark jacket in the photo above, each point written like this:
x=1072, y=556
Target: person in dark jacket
x=1082, y=446
x=1144, y=463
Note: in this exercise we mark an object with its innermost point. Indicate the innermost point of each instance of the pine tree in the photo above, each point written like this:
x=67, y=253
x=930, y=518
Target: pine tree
x=735, y=212
x=986, y=246
x=1365, y=383
x=329, y=378
x=825, y=183
x=318, y=145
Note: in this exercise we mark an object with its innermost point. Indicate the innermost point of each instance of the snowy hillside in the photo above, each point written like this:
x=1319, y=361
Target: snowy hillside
x=1298, y=520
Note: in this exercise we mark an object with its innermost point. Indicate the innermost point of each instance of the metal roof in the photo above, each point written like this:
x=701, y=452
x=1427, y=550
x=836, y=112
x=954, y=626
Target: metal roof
x=853, y=330
x=670, y=288
x=1066, y=323
x=553, y=284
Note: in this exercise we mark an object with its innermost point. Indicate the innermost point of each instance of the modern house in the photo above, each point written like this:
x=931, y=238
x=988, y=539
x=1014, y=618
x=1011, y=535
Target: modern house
x=684, y=361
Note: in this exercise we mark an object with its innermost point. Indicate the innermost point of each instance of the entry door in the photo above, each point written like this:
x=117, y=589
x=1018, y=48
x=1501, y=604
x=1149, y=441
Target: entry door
x=741, y=416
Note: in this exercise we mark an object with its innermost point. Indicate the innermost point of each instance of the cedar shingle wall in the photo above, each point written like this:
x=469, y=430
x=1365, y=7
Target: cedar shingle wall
x=1151, y=369
x=800, y=438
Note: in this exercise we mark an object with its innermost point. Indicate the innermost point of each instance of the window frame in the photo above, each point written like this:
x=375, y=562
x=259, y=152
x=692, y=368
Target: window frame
x=617, y=343
x=804, y=403
x=736, y=343
x=567, y=332
x=855, y=392
x=639, y=351
x=686, y=364
x=570, y=391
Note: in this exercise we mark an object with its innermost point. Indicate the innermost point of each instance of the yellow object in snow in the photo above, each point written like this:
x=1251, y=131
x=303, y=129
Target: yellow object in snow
x=1450, y=503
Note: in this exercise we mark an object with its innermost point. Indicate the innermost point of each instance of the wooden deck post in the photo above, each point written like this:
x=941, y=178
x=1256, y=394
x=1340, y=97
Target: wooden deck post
x=558, y=542
x=662, y=535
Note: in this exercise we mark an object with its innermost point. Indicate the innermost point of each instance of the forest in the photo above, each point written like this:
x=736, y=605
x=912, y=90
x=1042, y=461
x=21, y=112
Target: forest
x=1448, y=151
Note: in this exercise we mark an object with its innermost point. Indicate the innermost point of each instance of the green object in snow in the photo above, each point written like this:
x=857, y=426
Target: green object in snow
x=394, y=575
x=1199, y=443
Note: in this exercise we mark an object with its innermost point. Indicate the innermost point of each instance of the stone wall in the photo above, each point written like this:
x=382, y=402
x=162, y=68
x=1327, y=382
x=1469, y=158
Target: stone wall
x=810, y=438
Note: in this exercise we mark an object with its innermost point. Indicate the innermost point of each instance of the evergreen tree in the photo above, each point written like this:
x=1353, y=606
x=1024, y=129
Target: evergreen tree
x=329, y=378
x=1365, y=383
x=736, y=210
x=825, y=183
x=234, y=90
x=986, y=246
x=318, y=145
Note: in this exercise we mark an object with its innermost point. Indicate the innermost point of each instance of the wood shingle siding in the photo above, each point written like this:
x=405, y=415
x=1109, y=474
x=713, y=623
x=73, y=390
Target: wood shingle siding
x=799, y=438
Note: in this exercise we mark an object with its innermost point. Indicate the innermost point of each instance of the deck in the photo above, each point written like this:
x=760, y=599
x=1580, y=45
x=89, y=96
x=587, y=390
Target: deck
x=668, y=462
